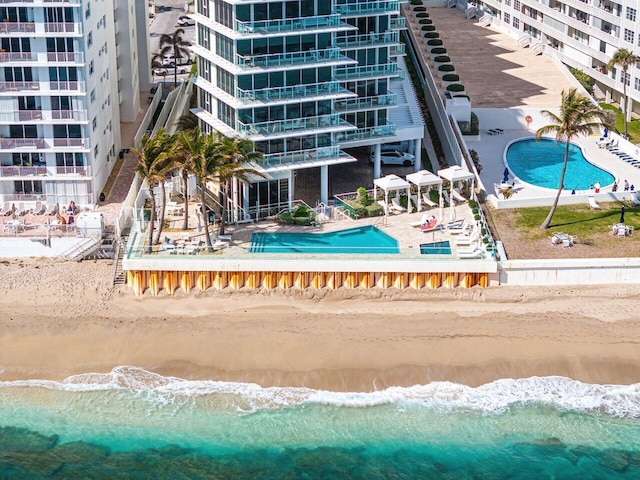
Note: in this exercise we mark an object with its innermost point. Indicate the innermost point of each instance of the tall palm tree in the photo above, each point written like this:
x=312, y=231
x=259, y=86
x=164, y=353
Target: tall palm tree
x=625, y=59
x=236, y=154
x=578, y=116
x=156, y=63
x=165, y=165
x=151, y=165
x=174, y=43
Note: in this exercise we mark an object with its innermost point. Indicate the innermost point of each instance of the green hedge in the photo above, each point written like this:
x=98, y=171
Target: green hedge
x=360, y=211
x=450, y=77
x=429, y=28
x=416, y=2
x=420, y=9
x=432, y=35
x=446, y=68
x=302, y=216
x=442, y=59
x=455, y=87
x=422, y=15
x=434, y=42
x=425, y=21
x=439, y=51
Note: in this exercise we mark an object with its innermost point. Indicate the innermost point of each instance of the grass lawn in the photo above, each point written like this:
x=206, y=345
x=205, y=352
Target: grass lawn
x=633, y=127
x=519, y=230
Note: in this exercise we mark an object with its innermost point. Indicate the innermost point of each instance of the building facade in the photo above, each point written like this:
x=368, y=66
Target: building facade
x=68, y=76
x=583, y=34
x=305, y=80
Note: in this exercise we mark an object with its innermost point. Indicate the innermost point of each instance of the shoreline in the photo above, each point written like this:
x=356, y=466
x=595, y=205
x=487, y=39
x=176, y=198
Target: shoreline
x=59, y=319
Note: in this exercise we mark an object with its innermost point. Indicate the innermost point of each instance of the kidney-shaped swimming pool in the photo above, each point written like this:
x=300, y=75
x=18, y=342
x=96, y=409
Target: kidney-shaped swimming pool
x=540, y=163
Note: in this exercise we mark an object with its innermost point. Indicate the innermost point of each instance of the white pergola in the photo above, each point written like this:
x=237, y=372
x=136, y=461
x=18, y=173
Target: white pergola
x=456, y=174
x=390, y=183
x=424, y=178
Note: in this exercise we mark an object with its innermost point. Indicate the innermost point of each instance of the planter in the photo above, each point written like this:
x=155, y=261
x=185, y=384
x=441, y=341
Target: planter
x=456, y=88
x=432, y=36
x=442, y=59
x=448, y=68
x=422, y=15
x=428, y=29
x=420, y=9
x=451, y=77
x=438, y=51
x=425, y=21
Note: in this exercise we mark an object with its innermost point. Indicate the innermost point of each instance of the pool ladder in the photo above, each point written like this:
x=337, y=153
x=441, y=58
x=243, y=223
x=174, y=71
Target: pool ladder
x=381, y=222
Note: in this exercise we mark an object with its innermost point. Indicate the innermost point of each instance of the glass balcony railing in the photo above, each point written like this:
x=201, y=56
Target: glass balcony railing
x=367, y=133
x=282, y=59
x=398, y=49
x=398, y=23
x=287, y=24
x=304, y=156
x=370, y=39
x=368, y=8
x=294, y=125
x=297, y=91
x=364, y=103
x=367, y=71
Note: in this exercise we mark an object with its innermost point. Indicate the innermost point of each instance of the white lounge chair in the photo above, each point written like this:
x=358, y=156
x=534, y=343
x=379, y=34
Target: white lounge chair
x=39, y=208
x=6, y=209
x=395, y=205
x=424, y=219
x=468, y=239
x=457, y=227
x=592, y=203
x=413, y=199
x=21, y=210
x=635, y=200
x=446, y=196
x=384, y=205
x=458, y=196
x=51, y=209
x=427, y=201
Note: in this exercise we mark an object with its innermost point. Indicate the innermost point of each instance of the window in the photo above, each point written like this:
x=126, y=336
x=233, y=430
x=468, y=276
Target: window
x=94, y=124
x=92, y=95
x=516, y=5
x=636, y=84
x=507, y=18
x=91, y=67
x=628, y=35
x=90, y=39
x=625, y=78
x=516, y=23
x=507, y=3
x=631, y=14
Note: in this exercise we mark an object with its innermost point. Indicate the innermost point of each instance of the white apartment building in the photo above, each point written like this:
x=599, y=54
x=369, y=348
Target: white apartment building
x=305, y=80
x=582, y=34
x=70, y=72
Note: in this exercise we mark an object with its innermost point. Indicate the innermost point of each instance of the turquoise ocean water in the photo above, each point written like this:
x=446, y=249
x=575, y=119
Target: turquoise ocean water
x=134, y=424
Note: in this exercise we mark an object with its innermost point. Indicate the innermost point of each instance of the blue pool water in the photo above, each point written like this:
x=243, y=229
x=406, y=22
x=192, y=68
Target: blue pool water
x=540, y=163
x=436, y=248
x=367, y=239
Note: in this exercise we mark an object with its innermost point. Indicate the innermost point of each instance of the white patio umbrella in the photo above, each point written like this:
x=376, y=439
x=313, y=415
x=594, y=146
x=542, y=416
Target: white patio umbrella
x=425, y=178
x=390, y=183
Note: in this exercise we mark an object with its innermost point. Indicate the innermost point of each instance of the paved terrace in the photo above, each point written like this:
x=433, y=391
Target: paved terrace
x=495, y=70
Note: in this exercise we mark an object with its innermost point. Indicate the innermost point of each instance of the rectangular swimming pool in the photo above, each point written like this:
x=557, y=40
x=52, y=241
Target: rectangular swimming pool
x=436, y=248
x=368, y=239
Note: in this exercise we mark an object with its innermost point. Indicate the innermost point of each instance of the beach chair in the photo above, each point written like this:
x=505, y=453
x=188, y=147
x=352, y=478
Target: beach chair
x=39, y=209
x=430, y=226
x=635, y=200
x=498, y=130
x=458, y=227
x=6, y=209
x=427, y=200
x=51, y=209
x=395, y=205
x=413, y=200
x=458, y=196
x=21, y=210
x=592, y=203
x=423, y=220
x=468, y=239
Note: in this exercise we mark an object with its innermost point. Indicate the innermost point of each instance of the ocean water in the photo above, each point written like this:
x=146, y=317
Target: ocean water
x=135, y=424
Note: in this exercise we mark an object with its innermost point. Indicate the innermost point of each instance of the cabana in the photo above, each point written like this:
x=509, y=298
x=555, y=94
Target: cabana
x=452, y=175
x=425, y=178
x=390, y=183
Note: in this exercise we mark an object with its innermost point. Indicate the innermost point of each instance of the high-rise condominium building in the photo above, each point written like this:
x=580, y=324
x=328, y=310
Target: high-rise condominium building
x=70, y=72
x=305, y=80
x=583, y=34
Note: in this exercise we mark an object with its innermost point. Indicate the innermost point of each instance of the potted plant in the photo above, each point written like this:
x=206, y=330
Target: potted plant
x=430, y=35
x=455, y=88
x=438, y=51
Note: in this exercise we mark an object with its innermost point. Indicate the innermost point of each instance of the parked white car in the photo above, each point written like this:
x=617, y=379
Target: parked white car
x=394, y=158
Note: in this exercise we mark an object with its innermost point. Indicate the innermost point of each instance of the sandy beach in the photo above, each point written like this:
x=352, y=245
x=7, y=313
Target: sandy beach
x=61, y=318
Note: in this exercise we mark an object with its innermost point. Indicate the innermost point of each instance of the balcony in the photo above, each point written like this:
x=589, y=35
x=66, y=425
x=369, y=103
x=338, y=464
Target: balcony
x=398, y=23
x=397, y=50
x=369, y=8
x=18, y=86
x=42, y=86
x=41, y=57
x=293, y=58
x=367, y=133
x=288, y=24
x=42, y=171
x=45, y=116
x=297, y=125
x=367, y=71
x=292, y=92
x=41, y=143
x=62, y=27
x=65, y=57
x=366, y=103
x=304, y=156
x=367, y=40
x=8, y=28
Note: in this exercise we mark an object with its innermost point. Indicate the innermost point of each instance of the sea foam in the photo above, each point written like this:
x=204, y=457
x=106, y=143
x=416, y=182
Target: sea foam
x=495, y=397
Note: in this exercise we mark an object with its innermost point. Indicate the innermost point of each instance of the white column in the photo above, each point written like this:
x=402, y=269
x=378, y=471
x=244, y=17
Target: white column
x=377, y=168
x=324, y=184
x=245, y=197
x=292, y=176
x=417, y=148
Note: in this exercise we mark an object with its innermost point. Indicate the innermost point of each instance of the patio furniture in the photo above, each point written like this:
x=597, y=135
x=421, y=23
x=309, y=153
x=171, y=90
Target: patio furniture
x=592, y=203
x=6, y=209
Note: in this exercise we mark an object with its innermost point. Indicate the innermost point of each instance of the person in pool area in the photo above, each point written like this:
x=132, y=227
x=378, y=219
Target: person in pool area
x=597, y=186
x=615, y=187
x=632, y=188
x=626, y=186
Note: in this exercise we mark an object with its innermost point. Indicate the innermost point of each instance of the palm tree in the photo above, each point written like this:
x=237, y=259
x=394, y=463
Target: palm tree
x=174, y=43
x=625, y=59
x=165, y=165
x=151, y=166
x=236, y=153
x=156, y=63
x=578, y=116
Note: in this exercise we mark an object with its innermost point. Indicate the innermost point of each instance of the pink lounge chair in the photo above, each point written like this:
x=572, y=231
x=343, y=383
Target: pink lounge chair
x=431, y=225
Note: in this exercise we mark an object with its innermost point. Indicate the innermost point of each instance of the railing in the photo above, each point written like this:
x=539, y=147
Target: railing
x=46, y=115
x=19, y=171
x=22, y=86
x=73, y=86
x=9, y=143
x=18, y=57
x=280, y=126
x=59, y=27
x=367, y=133
x=288, y=24
x=351, y=104
x=368, y=39
x=302, y=156
x=74, y=57
x=298, y=91
x=398, y=23
x=367, y=71
x=68, y=142
x=18, y=86
x=17, y=27
x=381, y=6
x=292, y=58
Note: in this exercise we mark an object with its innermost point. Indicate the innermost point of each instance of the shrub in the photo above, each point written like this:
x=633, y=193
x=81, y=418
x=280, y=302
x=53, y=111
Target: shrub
x=428, y=28
x=442, y=59
x=420, y=9
x=422, y=15
x=472, y=203
x=585, y=80
x=432, y=35
x=434, y=42
x=425, y=21
x=455, y=87
x=450, y=77
x=439, y=51
x=416, y=2
x=302, y=211
x=446, y=68
x=375, y=210
x=363, y=197
x=302, y=216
